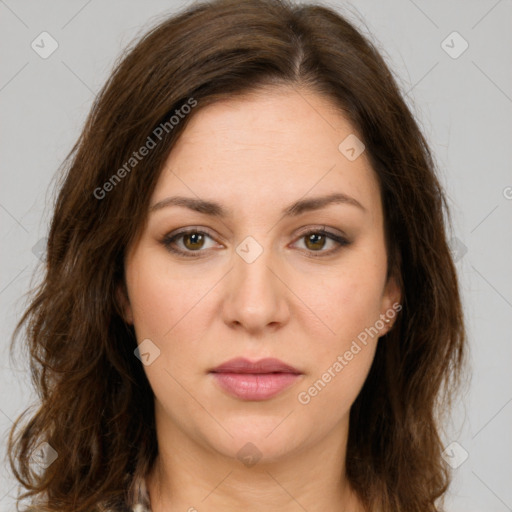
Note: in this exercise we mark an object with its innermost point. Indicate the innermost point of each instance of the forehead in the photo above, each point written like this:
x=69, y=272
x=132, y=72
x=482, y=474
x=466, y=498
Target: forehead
x=272, y=146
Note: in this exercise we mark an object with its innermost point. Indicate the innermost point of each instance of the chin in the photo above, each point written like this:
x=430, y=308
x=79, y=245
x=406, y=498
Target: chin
x=258, y=438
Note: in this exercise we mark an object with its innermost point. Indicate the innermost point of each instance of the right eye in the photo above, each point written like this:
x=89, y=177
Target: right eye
x=186, y=242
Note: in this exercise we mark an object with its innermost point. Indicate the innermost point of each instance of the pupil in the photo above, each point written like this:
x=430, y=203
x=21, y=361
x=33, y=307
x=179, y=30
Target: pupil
x=196, y=238
x=315, y=239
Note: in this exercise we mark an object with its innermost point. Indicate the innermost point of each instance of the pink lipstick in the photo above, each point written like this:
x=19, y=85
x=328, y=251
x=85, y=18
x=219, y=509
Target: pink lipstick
x=259, y=380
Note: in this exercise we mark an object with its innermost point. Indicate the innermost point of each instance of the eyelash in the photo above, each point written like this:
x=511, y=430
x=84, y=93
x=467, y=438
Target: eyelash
x=169, y=240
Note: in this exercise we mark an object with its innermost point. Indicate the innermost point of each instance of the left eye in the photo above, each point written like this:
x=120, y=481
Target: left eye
x=315, y=241
x=193, y=241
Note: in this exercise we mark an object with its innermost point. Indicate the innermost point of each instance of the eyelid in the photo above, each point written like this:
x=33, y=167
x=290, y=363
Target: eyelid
x=337, y=236
x=322, y=228
x=173, y=235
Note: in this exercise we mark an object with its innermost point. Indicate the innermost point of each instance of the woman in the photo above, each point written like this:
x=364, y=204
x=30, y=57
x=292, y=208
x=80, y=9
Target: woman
x=249, y=300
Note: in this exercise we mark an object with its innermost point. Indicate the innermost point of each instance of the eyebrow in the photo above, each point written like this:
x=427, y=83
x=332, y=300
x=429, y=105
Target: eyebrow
x=298, y=207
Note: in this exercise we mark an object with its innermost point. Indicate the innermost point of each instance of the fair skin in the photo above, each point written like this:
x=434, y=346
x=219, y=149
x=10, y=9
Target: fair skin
x=255, y=156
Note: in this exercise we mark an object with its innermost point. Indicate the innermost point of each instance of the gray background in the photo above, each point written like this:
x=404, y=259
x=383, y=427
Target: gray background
x=464, y=105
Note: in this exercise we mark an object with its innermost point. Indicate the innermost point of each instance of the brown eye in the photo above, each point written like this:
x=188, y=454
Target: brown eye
x=188, y=243
x=193, y=241
x=315, y=241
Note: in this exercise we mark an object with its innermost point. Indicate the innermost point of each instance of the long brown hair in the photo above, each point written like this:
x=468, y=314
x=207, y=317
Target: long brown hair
x=96, y=408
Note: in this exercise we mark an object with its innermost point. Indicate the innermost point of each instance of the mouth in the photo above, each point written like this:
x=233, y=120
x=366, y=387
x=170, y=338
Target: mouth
x=255, y=381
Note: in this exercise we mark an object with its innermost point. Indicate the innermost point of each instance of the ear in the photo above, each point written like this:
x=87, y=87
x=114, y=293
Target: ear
x=390, y=304
x=124, y=303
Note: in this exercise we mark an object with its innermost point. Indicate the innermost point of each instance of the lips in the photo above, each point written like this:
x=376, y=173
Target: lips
x=258, y=380
x=268, y=365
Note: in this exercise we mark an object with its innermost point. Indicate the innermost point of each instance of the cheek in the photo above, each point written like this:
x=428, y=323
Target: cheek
x=348, y=299
x=153, y=311
x=331, y=394
x=162, y=300
x=349, y=307
x=343, y=355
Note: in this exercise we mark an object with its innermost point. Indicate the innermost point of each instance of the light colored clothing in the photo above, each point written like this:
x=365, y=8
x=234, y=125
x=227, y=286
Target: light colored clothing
x=141, y=497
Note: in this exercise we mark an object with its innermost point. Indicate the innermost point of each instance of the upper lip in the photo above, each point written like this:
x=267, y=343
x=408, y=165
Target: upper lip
x=267, y=365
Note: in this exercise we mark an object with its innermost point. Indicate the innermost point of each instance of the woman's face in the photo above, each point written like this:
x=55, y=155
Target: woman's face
x=257, y=279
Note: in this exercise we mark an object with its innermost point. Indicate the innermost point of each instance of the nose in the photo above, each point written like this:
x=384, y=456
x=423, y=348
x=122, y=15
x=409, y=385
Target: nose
x=256, y=295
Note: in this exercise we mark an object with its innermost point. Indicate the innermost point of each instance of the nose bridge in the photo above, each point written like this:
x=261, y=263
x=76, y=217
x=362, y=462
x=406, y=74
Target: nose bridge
x=256, y=296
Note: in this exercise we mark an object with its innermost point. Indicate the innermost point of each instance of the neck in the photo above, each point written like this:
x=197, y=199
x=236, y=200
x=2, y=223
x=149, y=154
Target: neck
x=189, y=476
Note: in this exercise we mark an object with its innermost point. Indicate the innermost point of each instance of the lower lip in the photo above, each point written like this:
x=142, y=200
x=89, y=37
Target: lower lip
x=251, y=386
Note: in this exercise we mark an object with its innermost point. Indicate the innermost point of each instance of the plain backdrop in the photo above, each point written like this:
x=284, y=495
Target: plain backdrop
x=453, y=61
